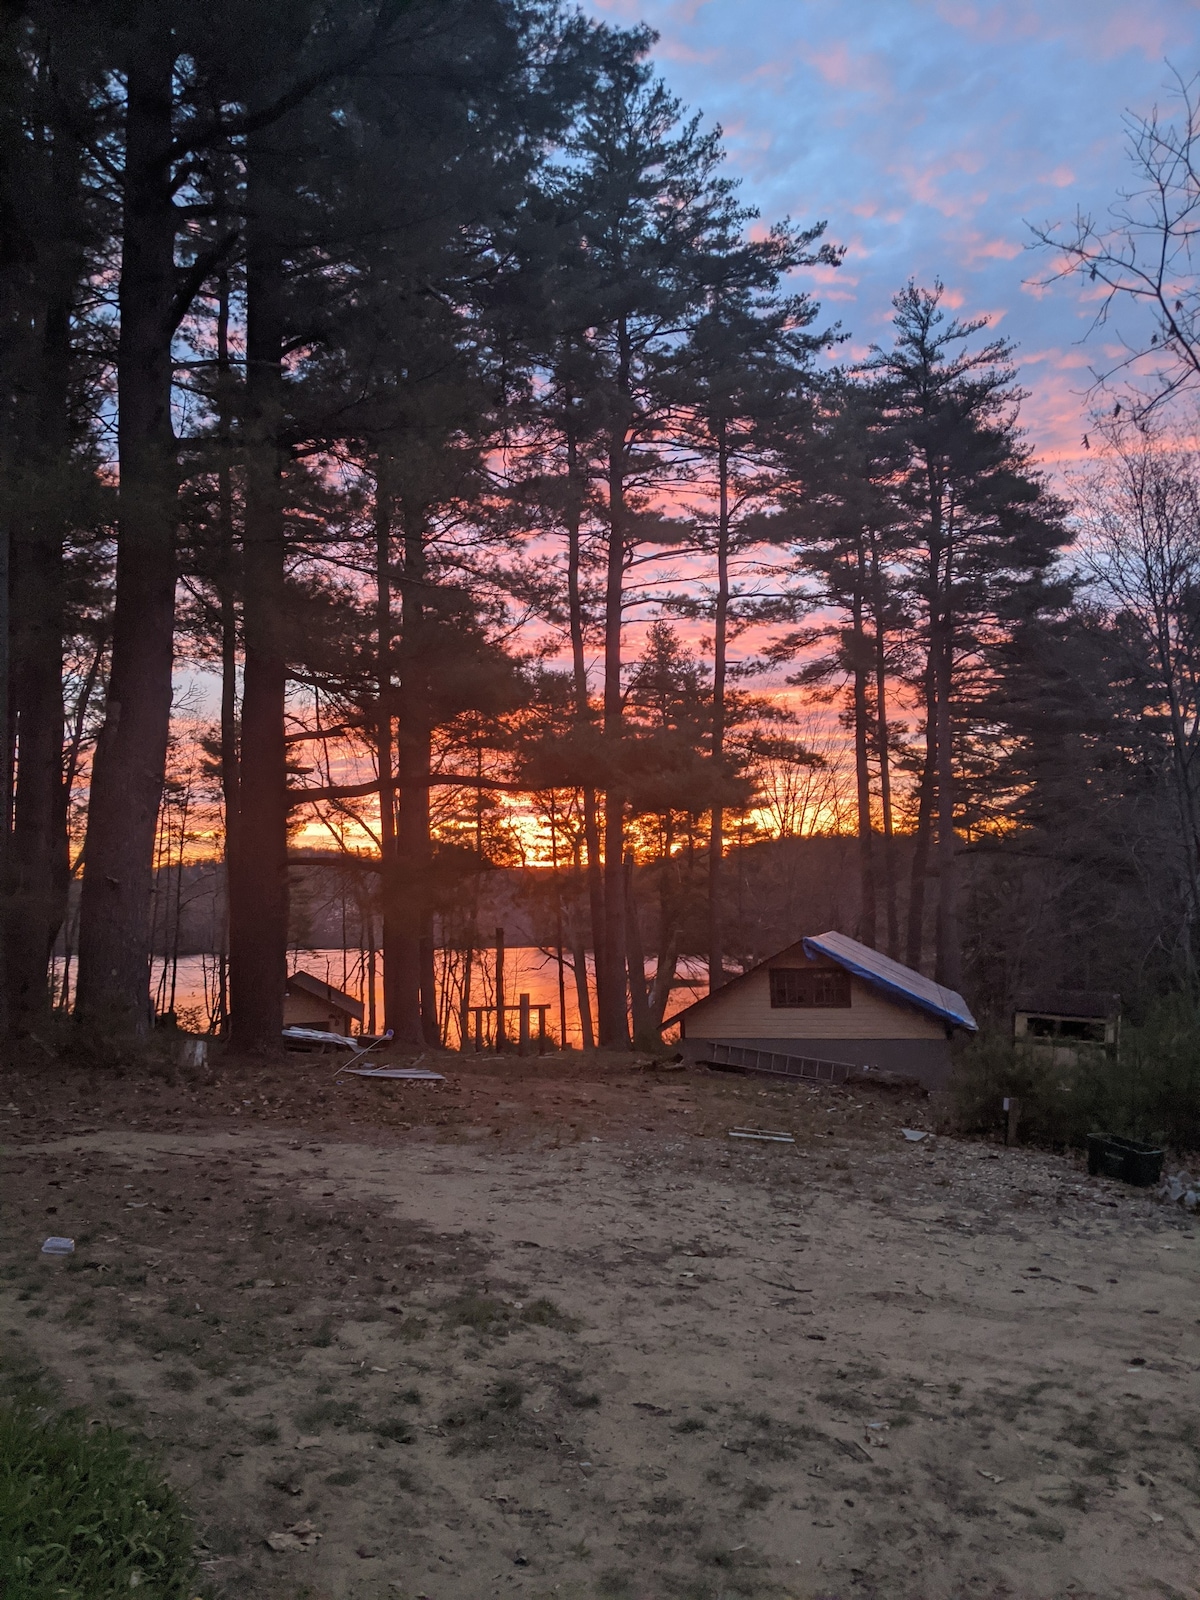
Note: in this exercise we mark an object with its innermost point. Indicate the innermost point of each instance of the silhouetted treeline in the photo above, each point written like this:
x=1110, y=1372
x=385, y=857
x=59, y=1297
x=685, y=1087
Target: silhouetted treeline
x=417, y=372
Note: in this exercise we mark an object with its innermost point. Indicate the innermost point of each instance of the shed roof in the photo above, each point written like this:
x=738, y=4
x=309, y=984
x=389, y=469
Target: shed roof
x=881, y=972
x=307, y=984
x=1089, y=1005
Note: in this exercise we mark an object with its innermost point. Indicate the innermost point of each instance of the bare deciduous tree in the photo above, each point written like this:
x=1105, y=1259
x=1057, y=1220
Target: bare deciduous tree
x=1145, y=252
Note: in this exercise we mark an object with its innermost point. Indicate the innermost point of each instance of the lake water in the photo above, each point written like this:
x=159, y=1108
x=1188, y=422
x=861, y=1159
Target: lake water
x=527, y=970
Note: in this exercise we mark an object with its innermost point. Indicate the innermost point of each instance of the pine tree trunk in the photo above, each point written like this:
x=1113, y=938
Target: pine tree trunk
x=668, y=938
x=716, y=827
x=406, y=964
x=636, y=963
x=920, y=859
x=130, y=757
x=227, y=590
x=389, y=887
x=933, y=761
x=258, y=899
x=431, y=1022
x=583, y=714
x=867, y=915
x=582, y=998
x=595, y=890
x=614, y=1030
x=39, y=867
x=948, y=967
x=883, y=753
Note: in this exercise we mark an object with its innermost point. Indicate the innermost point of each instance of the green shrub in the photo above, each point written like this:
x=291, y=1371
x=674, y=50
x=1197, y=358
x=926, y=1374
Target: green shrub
x=82, y=1518
x=1148, y=1088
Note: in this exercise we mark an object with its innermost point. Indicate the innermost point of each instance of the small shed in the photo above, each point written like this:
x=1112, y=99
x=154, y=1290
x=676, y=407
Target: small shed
x=1069, y=1024
x=828, y=1001
x=310, y=1002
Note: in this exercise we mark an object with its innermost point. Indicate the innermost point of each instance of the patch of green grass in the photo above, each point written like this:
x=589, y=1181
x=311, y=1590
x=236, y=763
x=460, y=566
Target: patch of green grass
x=82, y=1518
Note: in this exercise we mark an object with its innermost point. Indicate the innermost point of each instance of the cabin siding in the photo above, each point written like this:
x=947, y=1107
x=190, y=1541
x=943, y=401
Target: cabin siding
x=744, y=1010
x=306, y=1011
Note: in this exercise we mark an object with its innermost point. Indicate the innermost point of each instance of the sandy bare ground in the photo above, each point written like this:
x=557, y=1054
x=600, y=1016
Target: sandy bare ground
x=549, y=1331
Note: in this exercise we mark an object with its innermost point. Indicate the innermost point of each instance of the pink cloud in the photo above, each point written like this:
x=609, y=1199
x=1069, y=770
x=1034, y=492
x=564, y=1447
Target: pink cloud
x=925, y=186
x=980, y=249
x=1102, y=29
x=841, y=68
x=677, y=50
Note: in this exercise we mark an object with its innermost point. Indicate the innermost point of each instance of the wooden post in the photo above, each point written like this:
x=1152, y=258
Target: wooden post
x=1012, y=1109
x=501, y=1037
x=478, y=1030
x=523, y=1025
x=541, y=1030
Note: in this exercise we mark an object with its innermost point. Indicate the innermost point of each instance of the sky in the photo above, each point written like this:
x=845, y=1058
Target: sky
x=929, y=134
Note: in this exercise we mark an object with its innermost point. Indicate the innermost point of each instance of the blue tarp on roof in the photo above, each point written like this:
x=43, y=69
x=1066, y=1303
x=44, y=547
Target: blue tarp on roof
x=901, y=983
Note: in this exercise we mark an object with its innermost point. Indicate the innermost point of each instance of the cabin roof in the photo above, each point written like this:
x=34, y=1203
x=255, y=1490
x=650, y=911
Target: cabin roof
x=893, y=979
x=890, y=978
x=305, y=983
x=1088, y=1005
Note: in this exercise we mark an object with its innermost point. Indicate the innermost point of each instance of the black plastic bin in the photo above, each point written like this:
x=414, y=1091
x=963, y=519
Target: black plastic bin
x=1109, y=1157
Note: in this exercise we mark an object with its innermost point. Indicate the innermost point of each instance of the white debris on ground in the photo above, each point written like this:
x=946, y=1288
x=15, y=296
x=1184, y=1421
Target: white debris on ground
x=1180, y=1189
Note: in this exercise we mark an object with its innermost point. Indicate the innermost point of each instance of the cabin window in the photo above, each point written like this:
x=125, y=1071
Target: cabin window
x=1075, y=1028
x=794, y=987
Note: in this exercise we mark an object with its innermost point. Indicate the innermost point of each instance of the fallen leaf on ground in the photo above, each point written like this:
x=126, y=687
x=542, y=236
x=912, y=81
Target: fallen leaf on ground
x=298, y=1537
x=284, y=1541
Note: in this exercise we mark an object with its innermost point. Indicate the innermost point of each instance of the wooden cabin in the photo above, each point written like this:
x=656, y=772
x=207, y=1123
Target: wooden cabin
x=831, y=1007
x=312, y=1003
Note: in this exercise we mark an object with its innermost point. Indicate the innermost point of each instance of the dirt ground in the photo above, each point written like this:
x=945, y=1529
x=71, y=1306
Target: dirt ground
x=547, y=1330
